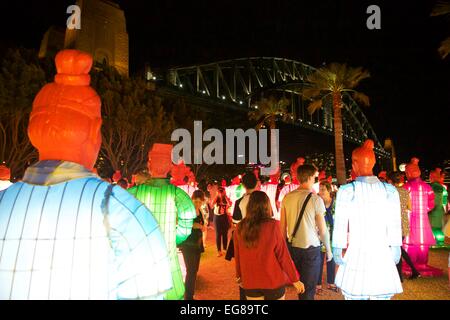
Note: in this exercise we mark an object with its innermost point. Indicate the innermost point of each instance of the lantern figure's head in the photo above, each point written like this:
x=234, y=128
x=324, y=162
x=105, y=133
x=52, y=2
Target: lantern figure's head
x=322, y=175
x=256, y=173
x=160, y=160
x=442, y=178
x=435, y=175
x=5, y=173
x=236, y=180
x=412, y=169
x=330, y=179
x=191, y=178
x=66, y=118
x=116, y=176
x=299, y=162
x=382, y=176
x=224, y=183
x=179, y=172
x=363, y=159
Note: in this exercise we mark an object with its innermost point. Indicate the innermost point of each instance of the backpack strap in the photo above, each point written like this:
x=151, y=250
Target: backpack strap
x=302, y=211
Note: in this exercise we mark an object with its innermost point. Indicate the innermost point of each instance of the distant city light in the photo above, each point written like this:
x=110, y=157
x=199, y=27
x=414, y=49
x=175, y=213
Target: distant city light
x=181, y=85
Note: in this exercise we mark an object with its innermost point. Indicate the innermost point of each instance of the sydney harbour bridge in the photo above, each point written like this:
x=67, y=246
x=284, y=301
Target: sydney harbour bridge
x=238, y=84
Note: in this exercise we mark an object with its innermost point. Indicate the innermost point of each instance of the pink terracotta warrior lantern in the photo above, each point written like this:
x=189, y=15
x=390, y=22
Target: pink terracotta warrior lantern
x=421, y=237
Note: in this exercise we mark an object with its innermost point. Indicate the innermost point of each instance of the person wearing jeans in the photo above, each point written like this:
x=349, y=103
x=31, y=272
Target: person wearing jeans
x=306, y=245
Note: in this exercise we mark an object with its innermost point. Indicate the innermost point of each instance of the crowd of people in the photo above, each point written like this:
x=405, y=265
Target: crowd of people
x=292, y=244
x=66, y=233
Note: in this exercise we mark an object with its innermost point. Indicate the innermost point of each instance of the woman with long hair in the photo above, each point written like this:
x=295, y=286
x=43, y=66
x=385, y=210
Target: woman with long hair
x=222, y=206
x=263, y=263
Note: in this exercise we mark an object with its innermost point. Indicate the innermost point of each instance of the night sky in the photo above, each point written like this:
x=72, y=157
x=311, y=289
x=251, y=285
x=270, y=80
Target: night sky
x=409, y=87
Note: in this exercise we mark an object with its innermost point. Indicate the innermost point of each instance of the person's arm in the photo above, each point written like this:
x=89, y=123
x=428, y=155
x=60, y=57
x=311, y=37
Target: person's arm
x=283, y=224
x=285, y=260
x=141, y=257
x=185, y=215
x=324, y=235
x=282, y=254
x=237, y=213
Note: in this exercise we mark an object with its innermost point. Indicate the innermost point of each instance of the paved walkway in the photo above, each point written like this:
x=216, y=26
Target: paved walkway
x=216, y=279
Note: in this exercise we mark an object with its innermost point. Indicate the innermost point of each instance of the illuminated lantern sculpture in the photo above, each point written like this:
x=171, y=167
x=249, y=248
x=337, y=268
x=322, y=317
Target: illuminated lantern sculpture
x=5, y=176
x=116, y=176
x=270, y=188
x=369, y=210
x=382, y=176
x=420, y=237
x=293, y=185
x=171, y=206
x=183, y=178
x=440, y=204
x=67, y=234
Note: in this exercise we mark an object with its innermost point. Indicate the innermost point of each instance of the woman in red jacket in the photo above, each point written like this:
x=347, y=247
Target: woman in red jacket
x=263, y=263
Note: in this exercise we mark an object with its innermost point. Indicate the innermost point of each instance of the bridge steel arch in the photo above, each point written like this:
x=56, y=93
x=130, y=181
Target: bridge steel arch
x=237, y=82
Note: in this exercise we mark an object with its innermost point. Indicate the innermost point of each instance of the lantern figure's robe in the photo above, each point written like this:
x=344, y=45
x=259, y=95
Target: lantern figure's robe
x=188, y=189
x=436, y=215
x=67, y=234
x=4, y=184
x=175, y=213
x=369, y=210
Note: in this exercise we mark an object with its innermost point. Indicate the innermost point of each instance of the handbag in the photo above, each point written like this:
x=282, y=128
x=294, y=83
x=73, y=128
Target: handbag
x=297, y=224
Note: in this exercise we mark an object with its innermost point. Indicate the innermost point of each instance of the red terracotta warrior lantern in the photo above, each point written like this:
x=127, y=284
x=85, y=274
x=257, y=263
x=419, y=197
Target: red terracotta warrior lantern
x=179, y=172
x=68, y=103
x=5, y=173
x=115, y=248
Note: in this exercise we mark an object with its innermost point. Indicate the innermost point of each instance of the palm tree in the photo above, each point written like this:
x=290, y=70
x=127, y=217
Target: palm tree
x=335, y=80
x=266, y=113
x=442, y=8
